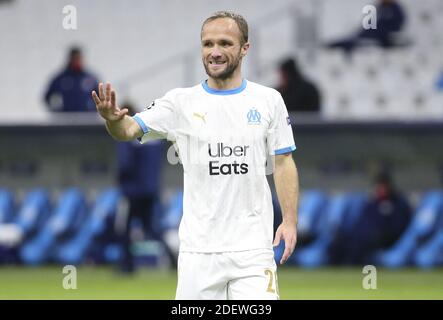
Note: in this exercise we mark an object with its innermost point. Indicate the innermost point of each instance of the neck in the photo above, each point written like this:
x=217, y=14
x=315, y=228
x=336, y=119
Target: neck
x=232, y=82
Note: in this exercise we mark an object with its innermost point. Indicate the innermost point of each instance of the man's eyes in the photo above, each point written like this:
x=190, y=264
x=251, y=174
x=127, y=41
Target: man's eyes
x=222, y=44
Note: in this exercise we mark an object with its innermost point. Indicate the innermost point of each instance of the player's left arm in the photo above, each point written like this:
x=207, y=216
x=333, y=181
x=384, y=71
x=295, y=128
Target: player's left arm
x=286, y=185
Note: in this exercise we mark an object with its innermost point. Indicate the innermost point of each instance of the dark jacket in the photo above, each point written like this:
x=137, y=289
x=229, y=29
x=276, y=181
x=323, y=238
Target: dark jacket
x=301, y=95
x=71, y=91
x=379, y=226
x=139, y=167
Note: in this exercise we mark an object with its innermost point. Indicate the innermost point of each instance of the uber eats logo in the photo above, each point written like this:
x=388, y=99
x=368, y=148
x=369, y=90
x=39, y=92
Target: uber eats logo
x=221, y=150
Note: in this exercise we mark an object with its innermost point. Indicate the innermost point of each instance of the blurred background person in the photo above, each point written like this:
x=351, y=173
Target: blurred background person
x=299, y=94
x=70, y=90
x=139, y=168
x=390, y=21
x=383, y=220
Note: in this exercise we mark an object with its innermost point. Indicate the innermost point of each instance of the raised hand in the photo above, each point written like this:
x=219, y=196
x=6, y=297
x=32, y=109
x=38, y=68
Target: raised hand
x=106, y=103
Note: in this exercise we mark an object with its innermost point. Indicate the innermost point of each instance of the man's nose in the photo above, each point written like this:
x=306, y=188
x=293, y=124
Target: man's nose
x=215, y=53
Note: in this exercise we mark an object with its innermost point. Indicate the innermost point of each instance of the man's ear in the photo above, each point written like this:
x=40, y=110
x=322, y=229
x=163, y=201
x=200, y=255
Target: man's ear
x=244, y=49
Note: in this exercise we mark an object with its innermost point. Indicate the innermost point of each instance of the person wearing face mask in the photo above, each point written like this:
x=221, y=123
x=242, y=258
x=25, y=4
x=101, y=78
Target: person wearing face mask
x=384, y=218
x=69, y=90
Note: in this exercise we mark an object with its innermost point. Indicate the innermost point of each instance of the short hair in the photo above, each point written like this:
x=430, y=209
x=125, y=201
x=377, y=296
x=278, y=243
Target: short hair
x=239, y=20
x=289, y=65
x=74, y=51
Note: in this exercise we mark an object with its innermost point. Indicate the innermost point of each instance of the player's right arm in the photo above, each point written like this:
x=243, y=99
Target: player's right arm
x=119, y=125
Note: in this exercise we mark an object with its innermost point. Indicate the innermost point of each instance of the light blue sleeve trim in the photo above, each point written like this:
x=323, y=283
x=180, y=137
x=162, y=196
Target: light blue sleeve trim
x=141, y=124
x=285, y=150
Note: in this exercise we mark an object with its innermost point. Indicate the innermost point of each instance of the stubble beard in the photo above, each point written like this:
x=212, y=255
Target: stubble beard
x=227, y=73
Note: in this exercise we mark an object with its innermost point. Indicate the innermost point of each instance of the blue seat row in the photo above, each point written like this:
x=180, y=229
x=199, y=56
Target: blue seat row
x=421, y=243
x=67, y=232
x=71, y=230
x=338, y=216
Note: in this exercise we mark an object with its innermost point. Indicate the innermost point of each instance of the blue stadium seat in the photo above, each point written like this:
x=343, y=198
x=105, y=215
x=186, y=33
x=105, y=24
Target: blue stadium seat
x=6, y=206
x=422, y=227
x=34, y=211
x=430, y=254
x=65, y=219
x=312, y=205
x=170, y=218
x=310, y=214
x=97, y=224
x=341, y=212
x=357, y=202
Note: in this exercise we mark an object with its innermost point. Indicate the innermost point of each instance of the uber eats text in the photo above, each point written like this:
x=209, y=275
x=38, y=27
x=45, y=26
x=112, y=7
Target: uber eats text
x=224, y=151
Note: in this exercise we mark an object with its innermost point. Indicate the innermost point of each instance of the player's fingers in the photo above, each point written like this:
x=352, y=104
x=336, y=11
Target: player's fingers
x=108, y=91
x=96, y=98
x=101, y=92
x=289, y=249
x=113, y=98
x=277, y=238
x=286, y=253
x=294, y=243
x=123, y=112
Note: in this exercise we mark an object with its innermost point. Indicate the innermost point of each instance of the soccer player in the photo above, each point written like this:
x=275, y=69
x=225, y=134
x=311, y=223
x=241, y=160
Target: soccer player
x=225, y=130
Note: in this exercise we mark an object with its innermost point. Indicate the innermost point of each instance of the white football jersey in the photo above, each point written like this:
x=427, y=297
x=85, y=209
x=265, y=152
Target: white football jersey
x=224, y=139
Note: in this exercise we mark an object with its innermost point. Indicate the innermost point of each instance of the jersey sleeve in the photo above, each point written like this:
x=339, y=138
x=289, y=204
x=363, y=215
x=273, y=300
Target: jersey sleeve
x=158, y=120
x=280, y=139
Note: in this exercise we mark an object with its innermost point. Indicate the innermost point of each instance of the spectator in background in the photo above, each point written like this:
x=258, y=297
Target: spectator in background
x=390, y=20
x=139, y=169
x=70, y=90
x=298, y=93
x=384, y=218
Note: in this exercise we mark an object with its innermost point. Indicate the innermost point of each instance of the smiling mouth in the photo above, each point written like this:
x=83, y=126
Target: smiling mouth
x=217, y=63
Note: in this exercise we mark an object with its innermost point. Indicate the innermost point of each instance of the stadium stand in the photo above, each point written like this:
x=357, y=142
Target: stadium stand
x=312, y=205
x=34, y=212
x=70, y=233
x=64, y=220
x=425, y=223
x=430, y=254
x=372, y=77
x=93, y=234
x=339, y=217
x=44, y=225
x=6, y=206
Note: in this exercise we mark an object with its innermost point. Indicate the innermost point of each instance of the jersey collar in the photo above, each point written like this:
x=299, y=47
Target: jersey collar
x=224, y=92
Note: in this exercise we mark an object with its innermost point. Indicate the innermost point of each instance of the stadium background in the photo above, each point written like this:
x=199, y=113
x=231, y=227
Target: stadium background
x=381, y=107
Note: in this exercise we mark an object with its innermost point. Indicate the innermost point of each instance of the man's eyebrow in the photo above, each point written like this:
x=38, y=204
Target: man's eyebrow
x=218, y=40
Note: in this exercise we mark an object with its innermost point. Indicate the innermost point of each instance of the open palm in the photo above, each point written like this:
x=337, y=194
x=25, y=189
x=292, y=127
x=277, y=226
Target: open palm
x=106, y=103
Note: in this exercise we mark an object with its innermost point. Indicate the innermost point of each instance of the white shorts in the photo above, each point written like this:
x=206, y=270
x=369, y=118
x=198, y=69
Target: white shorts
x=240, y=275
